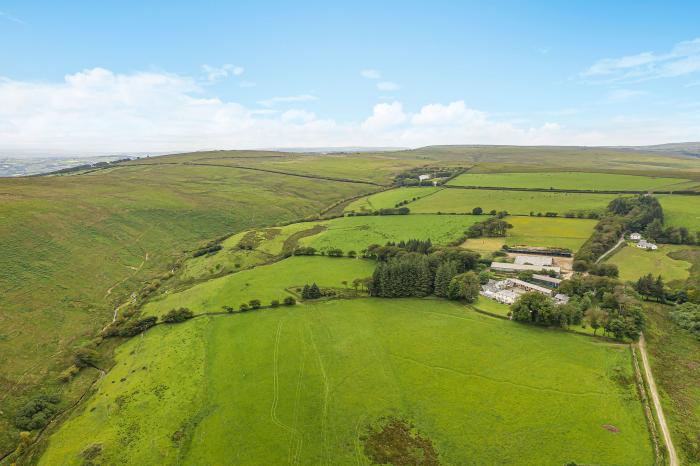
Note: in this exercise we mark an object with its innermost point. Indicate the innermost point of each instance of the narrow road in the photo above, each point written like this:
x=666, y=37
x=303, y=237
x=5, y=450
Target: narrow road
x=607, y=253
x=672, y=456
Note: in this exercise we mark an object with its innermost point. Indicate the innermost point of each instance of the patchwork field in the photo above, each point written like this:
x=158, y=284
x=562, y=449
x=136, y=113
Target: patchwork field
x=302, y=385
x=538, y=231
x=263, y=283
x=388, y=199
x=571, y=180
x=455, y=200
x=356, y=233
x=633, y=262
x=681, y=211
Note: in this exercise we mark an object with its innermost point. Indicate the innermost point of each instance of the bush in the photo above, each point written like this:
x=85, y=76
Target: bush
x=243, y=307
x=85, y=357
x=289, y=301
x=335, y=252
x=177, y=315
x=68, y=374
x=274, y=303
x=36, y=413
x=254, y=303
x=131, y=328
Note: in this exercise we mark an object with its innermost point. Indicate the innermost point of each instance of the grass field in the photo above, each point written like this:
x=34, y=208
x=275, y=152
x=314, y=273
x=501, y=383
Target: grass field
x=681, y=211
x=675, y=361
x=301, y=386
x=569, y=180
x=263, y=283
x=388, y=199
x=356, y=233
x=633, y=262
x=455, y=200
x=74, y=246
x=538, y=231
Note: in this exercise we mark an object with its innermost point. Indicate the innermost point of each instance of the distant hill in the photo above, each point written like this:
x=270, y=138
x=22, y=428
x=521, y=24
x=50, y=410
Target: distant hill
x=679, y=148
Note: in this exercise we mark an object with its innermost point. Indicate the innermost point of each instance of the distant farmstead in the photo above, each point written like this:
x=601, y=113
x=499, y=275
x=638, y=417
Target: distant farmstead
x=644, y=244
x=423, y=177
x=508, y=267
x=635, y=236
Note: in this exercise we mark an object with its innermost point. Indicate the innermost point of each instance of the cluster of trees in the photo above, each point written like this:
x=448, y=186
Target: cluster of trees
x=254, y=304
x=408, y=272
x=651, y=287
x=672, y=235
x=623, y=213
x=493, y=227
x=384, y=211
x=601, y=269
x=129, y=327
x=211, y=250
x=687, y=316
x=174, y=316
x=311, y=291
x=37, y=412
x=499, y=214
x=607, y=304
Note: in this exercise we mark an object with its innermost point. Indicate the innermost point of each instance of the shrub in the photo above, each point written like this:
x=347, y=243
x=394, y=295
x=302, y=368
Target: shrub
x=254, y=303
x=85, y=357
x=36, y=413
x=177, y=315
x=274, y=303
x=289, y=301
x=243, y=307
x=68, y=374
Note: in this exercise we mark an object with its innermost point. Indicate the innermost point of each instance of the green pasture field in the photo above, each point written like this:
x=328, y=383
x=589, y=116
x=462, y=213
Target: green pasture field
x=301, y=385
x=681, y=211
x=73, y=247
x=389, y=199
x=633, y=262
x=557, y=232
x=674, y=355
x=492, y=306
x=264, y=283
x=569, y=180
x=456, y=200
x=356, y=233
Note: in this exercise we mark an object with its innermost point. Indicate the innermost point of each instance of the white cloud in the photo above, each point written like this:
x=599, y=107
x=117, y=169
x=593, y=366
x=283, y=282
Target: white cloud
x=215, y=73
x=623, y=95
x=287, y=99
x=682, y=59
x=385, y=115
x=387, y=86
x=10, y=17
x=370, y=74
x=98, y=111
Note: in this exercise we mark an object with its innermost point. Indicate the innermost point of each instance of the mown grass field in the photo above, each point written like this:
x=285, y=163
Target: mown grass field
x=264, y=283
x=538, y=231
x=633, y=262
x=675, y=361
x=389, y=198
x=456, y=200
x=356, y=233
x=681, y=211
x=74, y=246
x=301, y=385
x=569, y=180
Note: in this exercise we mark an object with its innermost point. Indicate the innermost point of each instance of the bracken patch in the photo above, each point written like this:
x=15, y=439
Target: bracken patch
x=396, y=442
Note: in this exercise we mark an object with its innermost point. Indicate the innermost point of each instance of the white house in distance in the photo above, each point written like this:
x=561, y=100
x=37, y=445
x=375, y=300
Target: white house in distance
x=423, y=178
x=635, y=236
x=644, y=244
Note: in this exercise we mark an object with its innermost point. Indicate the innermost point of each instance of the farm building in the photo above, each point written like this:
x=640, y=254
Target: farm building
x=635, y=236
x=523, y=285
x=508, y=267
x=546, y=280
x=560, y=298
x=534, y=260
x=423, y=177
x=644, y=244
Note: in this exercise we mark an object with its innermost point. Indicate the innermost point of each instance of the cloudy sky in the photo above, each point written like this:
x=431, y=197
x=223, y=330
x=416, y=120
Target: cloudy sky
x=112, y=77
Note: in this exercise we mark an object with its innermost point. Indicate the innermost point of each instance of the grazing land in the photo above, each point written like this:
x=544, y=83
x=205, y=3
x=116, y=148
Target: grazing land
x=301, y=385
x=567, y=233
x=571, y=180
x=681, y=211
x=264, y=283
x=356, y=233
x=455, y=200
x=633, y=262
x=390, y=198
x=675, y=361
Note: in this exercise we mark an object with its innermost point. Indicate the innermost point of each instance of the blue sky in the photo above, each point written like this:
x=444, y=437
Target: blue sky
x=94, y=77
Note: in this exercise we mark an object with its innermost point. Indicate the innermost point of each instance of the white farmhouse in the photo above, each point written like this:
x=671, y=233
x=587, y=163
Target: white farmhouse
x=644, y=244
x=635, y=236
x=423, y=178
